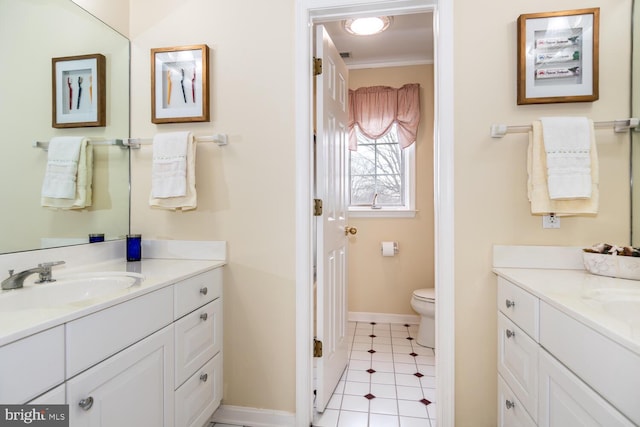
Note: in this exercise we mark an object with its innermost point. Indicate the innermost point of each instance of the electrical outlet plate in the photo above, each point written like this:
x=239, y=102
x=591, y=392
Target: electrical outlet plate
x=550, y=221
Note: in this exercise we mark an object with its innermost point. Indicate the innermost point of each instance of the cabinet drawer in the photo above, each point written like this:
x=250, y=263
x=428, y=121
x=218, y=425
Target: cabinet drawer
x=520, y=306
x=95, y=337
x=196, y=291
x=31, y=366
x=518, y=363
x=566, y=401
x=198, y=398
x=511, y=413
x=198, y=337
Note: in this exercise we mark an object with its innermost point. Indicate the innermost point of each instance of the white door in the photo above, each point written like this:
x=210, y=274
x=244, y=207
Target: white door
x=331, y=187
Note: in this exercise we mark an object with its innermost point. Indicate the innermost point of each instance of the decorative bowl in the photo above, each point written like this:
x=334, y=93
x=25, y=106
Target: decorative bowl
x=623, y=267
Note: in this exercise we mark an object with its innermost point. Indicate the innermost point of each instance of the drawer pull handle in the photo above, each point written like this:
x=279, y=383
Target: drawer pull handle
x=204, y=378
x=86, y=404
x=510, y=303
x=510, y=333
x=204, y=316
x=509, y=404
x=204, y=290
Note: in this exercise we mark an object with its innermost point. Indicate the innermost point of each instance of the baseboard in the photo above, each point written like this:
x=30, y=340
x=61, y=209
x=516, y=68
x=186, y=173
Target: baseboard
x=254, y=417
x=360, y=316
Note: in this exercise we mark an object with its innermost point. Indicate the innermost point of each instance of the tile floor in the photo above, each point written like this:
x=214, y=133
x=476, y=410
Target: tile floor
x=389, y=382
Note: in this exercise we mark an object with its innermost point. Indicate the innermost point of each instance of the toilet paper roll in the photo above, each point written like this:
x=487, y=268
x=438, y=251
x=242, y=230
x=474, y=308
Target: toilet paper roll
x=389, y=248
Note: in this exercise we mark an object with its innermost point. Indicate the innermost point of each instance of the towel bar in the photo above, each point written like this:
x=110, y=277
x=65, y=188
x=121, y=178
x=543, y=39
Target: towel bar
x=220, y=139
x=93, y=141
x=619, y=126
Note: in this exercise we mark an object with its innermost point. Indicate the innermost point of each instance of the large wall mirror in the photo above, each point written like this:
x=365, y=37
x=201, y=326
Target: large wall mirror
x=32, y=32
x=635, y=136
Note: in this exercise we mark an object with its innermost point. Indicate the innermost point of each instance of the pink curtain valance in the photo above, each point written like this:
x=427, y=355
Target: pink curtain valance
x=375, y=109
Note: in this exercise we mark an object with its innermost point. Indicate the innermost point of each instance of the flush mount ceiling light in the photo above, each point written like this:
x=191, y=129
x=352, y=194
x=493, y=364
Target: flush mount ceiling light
x=367, y=26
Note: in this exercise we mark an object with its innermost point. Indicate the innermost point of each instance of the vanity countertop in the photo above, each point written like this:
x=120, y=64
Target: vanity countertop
x=575, y=293
x=158, y=273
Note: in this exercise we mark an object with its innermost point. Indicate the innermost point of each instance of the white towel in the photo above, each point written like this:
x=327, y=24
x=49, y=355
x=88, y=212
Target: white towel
x=62, y=168
x=567, y=143
x=538, y=190
x=173, y=180
x=84, y=182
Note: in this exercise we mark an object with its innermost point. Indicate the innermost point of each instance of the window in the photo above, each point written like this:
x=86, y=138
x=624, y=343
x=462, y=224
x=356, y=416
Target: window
x=382, y=177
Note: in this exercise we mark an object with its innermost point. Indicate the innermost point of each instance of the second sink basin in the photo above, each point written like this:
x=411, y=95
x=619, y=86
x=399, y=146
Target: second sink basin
x=67, y=290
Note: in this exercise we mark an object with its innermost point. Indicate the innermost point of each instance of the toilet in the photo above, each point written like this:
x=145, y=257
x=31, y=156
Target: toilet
x=423, y=301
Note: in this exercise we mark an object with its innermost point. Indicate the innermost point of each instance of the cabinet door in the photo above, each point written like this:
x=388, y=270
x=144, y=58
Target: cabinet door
x=133, y=388
x=565, y=401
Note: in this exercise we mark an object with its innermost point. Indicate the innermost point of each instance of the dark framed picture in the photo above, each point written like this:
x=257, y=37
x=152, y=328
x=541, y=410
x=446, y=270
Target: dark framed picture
x=558, y=56
x=79, y=98
x=180, y=84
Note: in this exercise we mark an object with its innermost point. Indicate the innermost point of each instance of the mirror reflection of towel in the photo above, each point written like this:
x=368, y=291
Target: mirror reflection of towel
x=68, y=178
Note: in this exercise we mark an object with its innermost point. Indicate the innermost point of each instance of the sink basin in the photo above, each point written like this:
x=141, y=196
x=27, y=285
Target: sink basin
x=67, y=290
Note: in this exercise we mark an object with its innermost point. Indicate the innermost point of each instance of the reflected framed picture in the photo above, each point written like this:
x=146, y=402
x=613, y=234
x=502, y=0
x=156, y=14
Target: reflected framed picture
x=558, y=56
x=79, y=98
x=180, y=84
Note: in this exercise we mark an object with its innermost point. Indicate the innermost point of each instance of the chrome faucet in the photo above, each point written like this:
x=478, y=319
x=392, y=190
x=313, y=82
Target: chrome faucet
x=15, y=281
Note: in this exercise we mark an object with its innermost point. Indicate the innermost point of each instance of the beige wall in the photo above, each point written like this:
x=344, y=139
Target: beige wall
x=246, y=189
x=382, y=284
x=247, y=194
x=491, y=205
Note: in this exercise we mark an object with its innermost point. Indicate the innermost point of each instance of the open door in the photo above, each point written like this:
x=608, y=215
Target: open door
x=331, y=186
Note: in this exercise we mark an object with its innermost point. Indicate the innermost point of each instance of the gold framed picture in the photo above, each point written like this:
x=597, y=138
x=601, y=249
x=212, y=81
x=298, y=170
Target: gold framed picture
x=558, y=56
x=180, y=84
x=79, y=98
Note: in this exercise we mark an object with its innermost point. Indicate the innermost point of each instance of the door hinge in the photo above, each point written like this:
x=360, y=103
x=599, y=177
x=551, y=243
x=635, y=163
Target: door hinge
x=317, y=348
x=317, y=66
x=317, y=207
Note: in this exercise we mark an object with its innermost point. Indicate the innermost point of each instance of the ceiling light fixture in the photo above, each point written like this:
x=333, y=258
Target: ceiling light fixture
x=367, y=26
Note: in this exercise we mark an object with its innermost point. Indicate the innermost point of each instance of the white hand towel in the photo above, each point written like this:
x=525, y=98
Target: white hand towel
x=84, y=182
x=62, y=168
x=173, y=179
x=538, y=190
x=567, y=143
x=169, y=167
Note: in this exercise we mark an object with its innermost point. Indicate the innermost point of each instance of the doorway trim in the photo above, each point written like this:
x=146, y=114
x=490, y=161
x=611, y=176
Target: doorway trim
x=306, y=11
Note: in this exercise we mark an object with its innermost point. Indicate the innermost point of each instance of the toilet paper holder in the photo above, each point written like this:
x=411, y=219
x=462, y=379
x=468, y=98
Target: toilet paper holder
x=389, y=248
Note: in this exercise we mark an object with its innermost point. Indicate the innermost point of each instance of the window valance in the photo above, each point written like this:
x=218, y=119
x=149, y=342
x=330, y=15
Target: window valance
x=375, y=109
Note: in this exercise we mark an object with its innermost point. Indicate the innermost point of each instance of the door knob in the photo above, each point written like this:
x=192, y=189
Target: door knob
x=350, y=230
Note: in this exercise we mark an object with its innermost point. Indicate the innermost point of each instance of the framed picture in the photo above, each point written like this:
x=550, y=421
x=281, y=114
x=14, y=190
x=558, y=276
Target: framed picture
x=558, y=56
x=78, y=91
x=180, y=84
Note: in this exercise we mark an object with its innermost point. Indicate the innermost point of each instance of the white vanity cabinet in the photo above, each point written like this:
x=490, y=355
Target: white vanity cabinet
x=152, y=360
x=534, y=388
x=517, y=355
x=198, y=348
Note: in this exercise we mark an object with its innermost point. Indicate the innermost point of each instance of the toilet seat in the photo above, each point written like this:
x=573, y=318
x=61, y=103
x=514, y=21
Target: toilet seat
x=426, y=294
